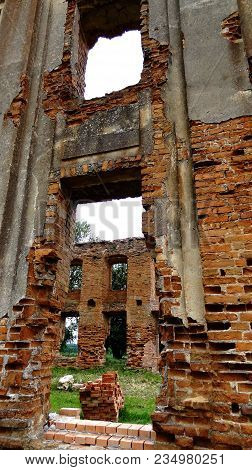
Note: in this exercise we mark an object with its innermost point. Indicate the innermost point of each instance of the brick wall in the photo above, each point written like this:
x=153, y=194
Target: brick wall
x=97, y=259
x=206, y=367
x=222, y=157
x=209, y=365
x=33, y=333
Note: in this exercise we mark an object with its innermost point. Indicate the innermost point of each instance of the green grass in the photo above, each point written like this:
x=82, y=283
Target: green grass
x=70, y=350
x=139, y=387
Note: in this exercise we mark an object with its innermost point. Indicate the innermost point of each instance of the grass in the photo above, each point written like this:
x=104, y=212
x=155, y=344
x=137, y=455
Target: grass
x=140, y=389
x=70, y=350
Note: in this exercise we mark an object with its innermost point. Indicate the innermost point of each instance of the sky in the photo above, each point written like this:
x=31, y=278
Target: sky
x=113, y=64
x=113, y=220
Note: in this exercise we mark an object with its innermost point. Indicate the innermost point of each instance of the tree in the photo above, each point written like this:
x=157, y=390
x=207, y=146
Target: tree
x=116, y=341
x=119, y=276
x=75, y=279
x=68, y=345
x=83, y=232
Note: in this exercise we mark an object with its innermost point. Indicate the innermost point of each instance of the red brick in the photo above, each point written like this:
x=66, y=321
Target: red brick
x=102, y=441
x=114, y=441
x=134, y=430
x=91, y=426
x=69, y=438
x=80, y=439
x=74, y=412
x=91, y=439
x=145, y=431
x=49, y=435
x=123, y=429
x=137, y=444
x=148, y=445
x=71, y=426
x=59, y=436
x=60, y=425
x=101, y=427
x=125, y=443
x=112, y=428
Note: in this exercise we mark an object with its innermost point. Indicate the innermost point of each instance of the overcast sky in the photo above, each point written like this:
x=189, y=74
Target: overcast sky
x=114, y=64
x=113, y=220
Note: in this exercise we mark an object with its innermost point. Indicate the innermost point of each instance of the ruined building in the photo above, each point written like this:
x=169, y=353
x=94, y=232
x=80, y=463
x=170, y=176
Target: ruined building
x=96, y=303
x=181, y=139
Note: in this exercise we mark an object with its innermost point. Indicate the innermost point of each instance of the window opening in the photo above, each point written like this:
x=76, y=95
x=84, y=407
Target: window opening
x=69, y=345
x=109, y=220
x=113, y=64
x=75, y=280
x=119, y=274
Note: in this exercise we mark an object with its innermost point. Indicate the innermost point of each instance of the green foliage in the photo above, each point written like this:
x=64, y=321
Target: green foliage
x=62, y=399
x=119, y=276
x=75, y=279
x=137, y=411
x=83, y=232
x=140, y=389
x=69, y=350
x=116, y=341
x=67, y=346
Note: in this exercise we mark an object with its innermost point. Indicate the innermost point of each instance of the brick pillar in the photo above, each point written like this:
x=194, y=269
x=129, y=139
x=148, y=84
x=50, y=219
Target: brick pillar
x=141, y=323
x=92, y=325
x=27, y=354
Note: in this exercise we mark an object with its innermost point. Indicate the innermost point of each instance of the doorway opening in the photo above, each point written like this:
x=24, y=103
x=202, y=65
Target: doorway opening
x=116, y=342
x=70, y=327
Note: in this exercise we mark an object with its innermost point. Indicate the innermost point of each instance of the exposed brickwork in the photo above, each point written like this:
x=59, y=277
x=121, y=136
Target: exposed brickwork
x=65, y=82
x=103, y=398
x=210, y=365
x=138, y=301
x=105, y=434
x=59, y=84
x=205, y=401
x=33, y=332
x=65, y=361
x=231, y=27
x=29, y=349
x=19, y=103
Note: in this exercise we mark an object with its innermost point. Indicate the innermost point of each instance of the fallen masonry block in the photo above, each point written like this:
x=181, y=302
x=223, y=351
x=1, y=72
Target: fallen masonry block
x=102, y=399
x=70, y=412
x=66, y=382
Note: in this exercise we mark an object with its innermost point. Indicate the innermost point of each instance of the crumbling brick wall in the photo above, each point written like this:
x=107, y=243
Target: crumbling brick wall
x=97, y=301
x=210, y=364
x=176, y=119
x=32, y=334
x=222, y=166
x=102, y=399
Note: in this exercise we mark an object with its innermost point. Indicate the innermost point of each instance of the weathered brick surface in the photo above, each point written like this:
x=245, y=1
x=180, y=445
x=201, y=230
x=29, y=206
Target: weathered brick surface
x=103, y=398
x=33, y=334
x=142, y=327
x=210, y=365
x=205, y=401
